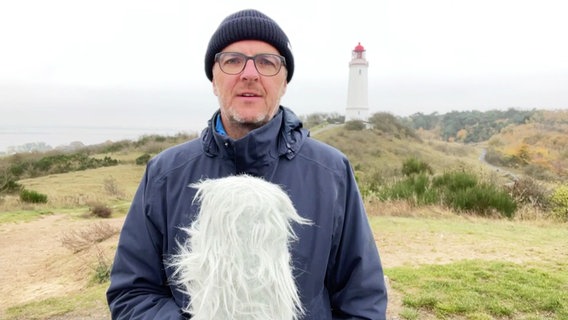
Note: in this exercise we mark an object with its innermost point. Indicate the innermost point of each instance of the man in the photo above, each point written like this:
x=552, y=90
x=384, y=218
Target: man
x=335, y=261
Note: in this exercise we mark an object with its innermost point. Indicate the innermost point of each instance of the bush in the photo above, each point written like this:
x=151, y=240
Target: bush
x=458, y=190
x=495, y=157
x=483, y=200
x=457, y=180
x=102, y=272
x=403, y=189
x=389, y=124
x=416, y=189
x=539, y=172
x=111, y=187
x=79, y=240
x=415, y=166
x=354, y=125
x=100, y=210
x=30, y=196
x=463, y=192
x=10, y=187
x=529, y=191
x=559, y=201
x=57, y=163
x=143, y=159
x=116, y=146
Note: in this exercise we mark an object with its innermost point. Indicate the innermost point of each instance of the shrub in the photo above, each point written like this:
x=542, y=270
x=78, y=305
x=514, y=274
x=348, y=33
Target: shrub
x=112, y=188
x=559, y=201
x=10, y=186
x=116, y=146
x=100, y=210
x=539, y=172
x=415, y=166
x=458, y=190
x=143, y=159
x=44, y=164
x=463, y=192
x=457, y=180
x=30, y=196
x=79, y=240
x=19, y=168
x=495, y=157
x=529, y=191
x=403, y=189
x=416, y=189
x=102, y=272
x=354, y=125
x=483, y=200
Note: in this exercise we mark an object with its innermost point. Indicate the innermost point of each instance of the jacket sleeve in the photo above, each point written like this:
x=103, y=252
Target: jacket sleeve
x=356, y=279
x=138, y=286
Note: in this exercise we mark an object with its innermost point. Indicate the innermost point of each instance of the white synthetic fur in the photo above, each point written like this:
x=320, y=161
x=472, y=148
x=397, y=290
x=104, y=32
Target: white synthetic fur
x=236, y=262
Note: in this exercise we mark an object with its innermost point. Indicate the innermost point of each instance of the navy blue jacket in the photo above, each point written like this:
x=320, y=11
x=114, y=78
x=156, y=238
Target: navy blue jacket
x=336, y=262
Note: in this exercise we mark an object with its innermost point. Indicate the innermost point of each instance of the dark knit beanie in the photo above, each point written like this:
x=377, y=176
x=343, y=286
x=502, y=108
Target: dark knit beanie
x=248, y=25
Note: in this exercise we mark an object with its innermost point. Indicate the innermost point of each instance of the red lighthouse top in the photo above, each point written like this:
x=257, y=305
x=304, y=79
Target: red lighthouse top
x=359, y=48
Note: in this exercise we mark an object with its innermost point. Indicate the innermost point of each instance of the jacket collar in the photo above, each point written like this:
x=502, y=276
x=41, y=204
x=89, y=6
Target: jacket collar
x=282, y=136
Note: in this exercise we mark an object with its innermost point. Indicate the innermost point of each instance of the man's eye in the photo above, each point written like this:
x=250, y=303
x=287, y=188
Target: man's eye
x=266, y=62
x=233, y=61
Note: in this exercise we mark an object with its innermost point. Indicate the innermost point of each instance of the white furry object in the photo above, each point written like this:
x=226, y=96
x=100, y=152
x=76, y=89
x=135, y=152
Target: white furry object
x=236, y=262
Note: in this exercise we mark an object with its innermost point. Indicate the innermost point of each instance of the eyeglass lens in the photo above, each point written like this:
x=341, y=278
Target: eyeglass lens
x=234, y=63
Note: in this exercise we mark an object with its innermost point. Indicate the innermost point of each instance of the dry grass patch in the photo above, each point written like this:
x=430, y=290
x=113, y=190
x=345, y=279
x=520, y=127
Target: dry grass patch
x=77, y=189
x=373, y=151
x=79, y=240
x=411, y=240
x=403, y=208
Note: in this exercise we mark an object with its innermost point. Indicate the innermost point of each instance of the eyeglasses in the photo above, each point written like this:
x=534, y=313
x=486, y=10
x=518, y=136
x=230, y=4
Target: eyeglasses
x=265, y=63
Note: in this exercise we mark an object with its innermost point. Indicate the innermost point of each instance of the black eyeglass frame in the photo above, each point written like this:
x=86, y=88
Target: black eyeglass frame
x=253, y=58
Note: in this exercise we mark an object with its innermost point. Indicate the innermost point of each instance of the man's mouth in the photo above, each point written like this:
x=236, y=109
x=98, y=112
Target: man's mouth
x=248, y=94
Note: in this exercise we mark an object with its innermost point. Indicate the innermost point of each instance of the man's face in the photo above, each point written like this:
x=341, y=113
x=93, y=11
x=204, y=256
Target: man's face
x=248, y=99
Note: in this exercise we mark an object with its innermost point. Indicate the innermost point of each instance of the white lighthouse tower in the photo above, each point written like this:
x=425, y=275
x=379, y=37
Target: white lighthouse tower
x=357, y=95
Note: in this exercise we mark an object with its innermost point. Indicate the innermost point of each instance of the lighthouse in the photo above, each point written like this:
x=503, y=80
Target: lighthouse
x=357, y=95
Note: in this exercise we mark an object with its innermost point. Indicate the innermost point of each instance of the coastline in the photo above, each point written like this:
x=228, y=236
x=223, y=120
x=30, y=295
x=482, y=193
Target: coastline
x=44, y=138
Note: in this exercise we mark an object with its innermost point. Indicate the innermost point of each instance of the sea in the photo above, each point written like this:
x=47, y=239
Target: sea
x=57, y=116
x=46, y=138
x=26, y=137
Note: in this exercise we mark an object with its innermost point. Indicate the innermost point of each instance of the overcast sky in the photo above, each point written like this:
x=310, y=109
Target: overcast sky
x=424, y=56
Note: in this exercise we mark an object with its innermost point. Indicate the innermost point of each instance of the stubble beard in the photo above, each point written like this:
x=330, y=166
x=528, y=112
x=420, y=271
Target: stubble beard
x=247, y=123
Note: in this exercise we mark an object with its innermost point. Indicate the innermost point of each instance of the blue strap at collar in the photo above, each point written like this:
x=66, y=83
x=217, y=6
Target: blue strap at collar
x=219, y=126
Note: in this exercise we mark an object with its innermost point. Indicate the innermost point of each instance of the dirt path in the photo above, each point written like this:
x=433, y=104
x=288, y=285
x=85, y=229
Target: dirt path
x=35, y=265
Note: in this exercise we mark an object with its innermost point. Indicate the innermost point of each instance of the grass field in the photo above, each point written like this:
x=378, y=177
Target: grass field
x=472, y=268
x=440, y=265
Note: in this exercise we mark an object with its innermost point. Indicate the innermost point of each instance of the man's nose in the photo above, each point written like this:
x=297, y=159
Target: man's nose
x=250, y=71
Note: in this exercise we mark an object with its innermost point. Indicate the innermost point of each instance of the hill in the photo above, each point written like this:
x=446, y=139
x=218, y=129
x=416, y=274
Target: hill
x=531, y=142
x=539, y=147
x=379, y=153
x=56, y=281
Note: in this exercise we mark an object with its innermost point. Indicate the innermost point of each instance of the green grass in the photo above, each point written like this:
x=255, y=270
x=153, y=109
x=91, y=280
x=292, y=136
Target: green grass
x=21, y=216
x=476, y=289
x=86, y=299
x=475, y=268
x=119, y=208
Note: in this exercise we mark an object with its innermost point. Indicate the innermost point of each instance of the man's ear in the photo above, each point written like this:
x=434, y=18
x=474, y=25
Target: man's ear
x=215, y=90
